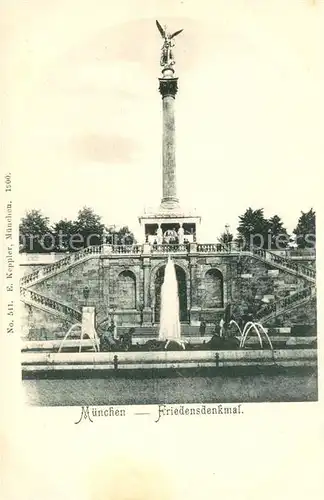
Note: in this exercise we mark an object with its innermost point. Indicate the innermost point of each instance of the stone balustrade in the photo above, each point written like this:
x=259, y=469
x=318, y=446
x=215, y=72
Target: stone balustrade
x=170, y=248
x=37, y=298
x=302, y=252
x=211, y=248
x=284, y=303
x=126, y=249
x=284, y=262
x=61, y=264
x=30, y=277
x=200, y=248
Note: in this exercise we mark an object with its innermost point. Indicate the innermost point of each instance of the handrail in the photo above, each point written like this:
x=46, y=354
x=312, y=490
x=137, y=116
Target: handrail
x=288, y=264
x=266, y=255
x=170, y=248
x=60, y=264
x=127, y=249
x=285, y=302
x=211, y=248
x=33, y=296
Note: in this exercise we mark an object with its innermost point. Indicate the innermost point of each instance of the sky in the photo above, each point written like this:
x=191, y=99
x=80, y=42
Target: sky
x=83, y=115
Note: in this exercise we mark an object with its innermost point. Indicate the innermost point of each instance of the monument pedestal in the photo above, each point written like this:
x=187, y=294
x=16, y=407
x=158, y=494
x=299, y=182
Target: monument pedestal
x=88, y=322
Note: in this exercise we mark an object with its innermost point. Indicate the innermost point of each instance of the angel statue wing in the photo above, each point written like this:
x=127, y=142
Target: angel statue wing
x=161, y=30
x=175, y=33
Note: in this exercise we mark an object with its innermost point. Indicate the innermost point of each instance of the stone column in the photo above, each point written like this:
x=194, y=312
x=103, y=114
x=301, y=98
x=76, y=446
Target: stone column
x=195, y=309
x=168, y=89
x=147, y=312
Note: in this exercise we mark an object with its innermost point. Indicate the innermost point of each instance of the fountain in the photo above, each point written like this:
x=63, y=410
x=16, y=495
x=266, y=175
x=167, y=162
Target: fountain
x=170, y=330
x=250, y=325
x=70, y=330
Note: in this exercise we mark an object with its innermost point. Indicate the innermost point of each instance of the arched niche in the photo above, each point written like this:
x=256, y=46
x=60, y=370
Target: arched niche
x=214, y=289
x=126, y=290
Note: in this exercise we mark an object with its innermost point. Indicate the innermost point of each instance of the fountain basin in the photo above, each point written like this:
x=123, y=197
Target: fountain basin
x=110, y=361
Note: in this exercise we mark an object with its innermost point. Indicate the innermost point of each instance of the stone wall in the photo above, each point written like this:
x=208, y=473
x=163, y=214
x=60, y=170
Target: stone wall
x=67, y=286
x=250, y=283
x=37, y=324
x=125, y=286
x=305, y=315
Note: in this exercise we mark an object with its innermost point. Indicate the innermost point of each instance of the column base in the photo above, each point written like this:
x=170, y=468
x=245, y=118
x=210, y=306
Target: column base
x=147, y=317
x=195, y=314
x=169, y=204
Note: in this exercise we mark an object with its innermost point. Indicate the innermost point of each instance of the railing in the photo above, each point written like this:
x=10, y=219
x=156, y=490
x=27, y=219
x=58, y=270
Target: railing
x=211, y=248
x=30, y=277
x=265, y=255
x=284, y=303
x=95, y=249
x=286, y=263
x=60, y=264
x=301, y=252
x=40, y=299
x=170, y=248
x=128, y=249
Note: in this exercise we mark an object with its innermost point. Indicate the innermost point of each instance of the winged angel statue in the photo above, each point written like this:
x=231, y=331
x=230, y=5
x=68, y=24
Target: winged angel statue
x=167, y=59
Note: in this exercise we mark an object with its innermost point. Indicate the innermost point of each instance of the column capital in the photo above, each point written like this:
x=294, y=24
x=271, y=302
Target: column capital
x=193, y=261
x=168, y=86
x=146, y=262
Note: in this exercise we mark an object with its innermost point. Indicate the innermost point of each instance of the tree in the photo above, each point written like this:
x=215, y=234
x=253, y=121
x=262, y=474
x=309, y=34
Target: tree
x=120, y=236
x=305, y=230
x=125, y=236
x=278, y=236
x=69, y=235
x=226, y=239
x=88, y=229
x=63, y=230
x=253, y=229
x=35, y=234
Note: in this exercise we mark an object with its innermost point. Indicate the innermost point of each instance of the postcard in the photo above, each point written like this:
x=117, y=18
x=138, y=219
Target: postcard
x=161, y=249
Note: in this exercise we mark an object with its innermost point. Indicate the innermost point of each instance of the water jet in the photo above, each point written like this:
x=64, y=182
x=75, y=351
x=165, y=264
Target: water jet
x=170, y=329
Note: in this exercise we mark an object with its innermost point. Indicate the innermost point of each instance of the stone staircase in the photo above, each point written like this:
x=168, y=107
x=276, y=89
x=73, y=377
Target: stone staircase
x=51, y=306
x=286, y=304
x=284, y=264
x=59, y=266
